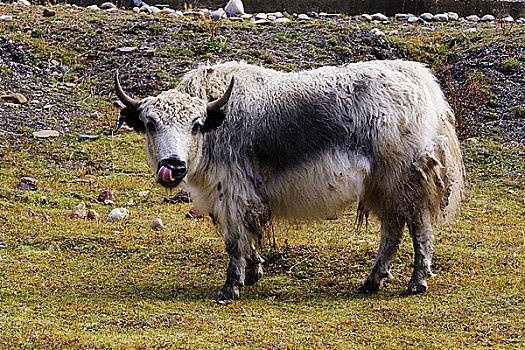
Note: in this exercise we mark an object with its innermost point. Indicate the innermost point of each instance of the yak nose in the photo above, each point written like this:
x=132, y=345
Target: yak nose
x=172, y=170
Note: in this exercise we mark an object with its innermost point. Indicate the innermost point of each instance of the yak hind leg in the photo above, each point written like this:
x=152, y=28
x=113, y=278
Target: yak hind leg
x=391, y=238
x=254, y=270
x=423, y=240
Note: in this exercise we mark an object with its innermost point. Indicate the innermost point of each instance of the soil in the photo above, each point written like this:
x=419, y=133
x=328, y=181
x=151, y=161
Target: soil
x=65, y=64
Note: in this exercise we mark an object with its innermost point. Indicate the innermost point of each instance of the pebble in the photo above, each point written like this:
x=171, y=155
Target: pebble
x=508, y=19
x=194, y=213
x=218, y=14
x=282, y=20
x=136, y=9
x=127, y=49
x=377, y=32
x=6, y=18
x=471, y=30
x=42, y=134
x=107, y=197
x=79, y=212
x=379, y=17
x=14, y=98
x=413, y=19
x=143, y=193
x=366, y=17
x=23, y=2
x=157, y=225
x=453, y=16
x=427, y=16
x=276, y=14
x=521, y=20
x=235, y=7
x=118, y=214
x=487, y=18
x=166, y=11
x=472, y=18
x=107, y=6
x=246, y=16
x=28, y=180
x=154, y=9
x=401, y=16
x=93, y=7
x=260, y=16
x=48, y=13
x=303, y=17
x=441, y=17
x=181, y=197
x=84, y=137
x=92, y=215
x=26, y=187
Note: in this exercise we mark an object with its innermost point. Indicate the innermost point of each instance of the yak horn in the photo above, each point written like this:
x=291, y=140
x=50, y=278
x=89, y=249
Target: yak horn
x=214, y=106
x=123, y=97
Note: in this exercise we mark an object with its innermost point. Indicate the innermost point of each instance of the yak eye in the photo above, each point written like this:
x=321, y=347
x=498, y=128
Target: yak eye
x=196, y=125
x=151, y=124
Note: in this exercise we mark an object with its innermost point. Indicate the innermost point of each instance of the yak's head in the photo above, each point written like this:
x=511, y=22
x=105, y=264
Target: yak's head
x=173, y=123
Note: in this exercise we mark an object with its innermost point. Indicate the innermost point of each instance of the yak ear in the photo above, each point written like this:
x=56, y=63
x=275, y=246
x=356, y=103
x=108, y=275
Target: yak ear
x=131, y=117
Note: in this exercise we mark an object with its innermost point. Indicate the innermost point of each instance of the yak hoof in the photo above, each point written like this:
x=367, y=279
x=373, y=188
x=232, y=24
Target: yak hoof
x=416, y=288
x=368, y=287
x=228, y=293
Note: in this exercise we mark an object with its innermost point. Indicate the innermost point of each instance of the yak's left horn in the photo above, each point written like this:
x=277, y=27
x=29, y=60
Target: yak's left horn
x=123, y=97
x=214, y=106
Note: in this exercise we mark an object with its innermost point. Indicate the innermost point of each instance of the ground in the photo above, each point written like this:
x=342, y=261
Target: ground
x=72, y=283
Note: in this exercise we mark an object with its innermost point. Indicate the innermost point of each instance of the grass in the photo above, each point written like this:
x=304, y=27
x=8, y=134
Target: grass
x=77, y=284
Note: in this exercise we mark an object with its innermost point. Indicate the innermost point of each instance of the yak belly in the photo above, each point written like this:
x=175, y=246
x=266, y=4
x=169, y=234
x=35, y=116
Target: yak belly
x=318, y=188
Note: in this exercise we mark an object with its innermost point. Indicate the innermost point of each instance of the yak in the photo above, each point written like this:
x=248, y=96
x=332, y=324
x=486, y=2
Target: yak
x=253, y=144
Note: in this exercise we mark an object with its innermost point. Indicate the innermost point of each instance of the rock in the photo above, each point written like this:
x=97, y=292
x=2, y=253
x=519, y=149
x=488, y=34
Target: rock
x=218, y=14
x=261, y=21
x=472, y=18
x=181, y=197
x=276, y=14
x=155, y=10
x=157, y=225
x=508, y=19
x=136, y=9
x=28, y=180
x=260, y=16
x=166, y=11
x=471, y=30
x=84, y=137
x=107, y=197
x=145, y=8
x=379, y=17
x=236, y=7
x=92, y=215
x=6, y=18
x=14, y=98
x=143, y=193
x=194, y=213
x=23, y=3
x=303, y=17
x=93, y=7
x=377, y=32
x=366, y=17
x=27, y=187
x=271, y=18
x=150, y=52
x=520, y=20
x=312, y=14
x=282, y=20
x=487, y=18
x=427, y=16
x=79, y=212
x=413, y=19
x=401, y=16
x=48, y=13
x=246, y=16
x=441, y=17
x=42, y=134
x=118, y=214
x=127, y=49
x=107, y=6
x=452, y=16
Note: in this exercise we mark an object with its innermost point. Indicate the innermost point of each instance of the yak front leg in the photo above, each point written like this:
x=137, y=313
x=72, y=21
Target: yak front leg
x=423, y=241
x=391, y=238
x=254, y=270
x=234, y=279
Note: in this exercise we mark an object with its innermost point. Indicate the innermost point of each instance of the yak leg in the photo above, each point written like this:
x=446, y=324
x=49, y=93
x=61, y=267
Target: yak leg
x=254, y=270
x=234, y=273
x=423, y=240
x=391, y=238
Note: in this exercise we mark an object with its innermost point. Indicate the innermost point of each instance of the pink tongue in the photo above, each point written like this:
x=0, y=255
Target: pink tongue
x=165, y=174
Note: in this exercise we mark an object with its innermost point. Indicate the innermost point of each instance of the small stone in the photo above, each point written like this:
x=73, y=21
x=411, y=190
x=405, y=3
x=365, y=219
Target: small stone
x=92, y=215
x=79, y=212
x=23, y=3
x=261, y=21
x=520, y=20
x=118, y=214
x=218, y=14
x=379, y=17
x=107, y=197
x=235, y=7
x=413, y=19
x=471, y=30
x=127, y=49
x=157, y=225
x=149, y=52
x=472, y=18
x=93, y=7
x=276, y=14
x=487, y=18
x=366, y=17
x=377, y=32
x=401, y=16
x=271, y=18
x=48, y=13
x=28, y=180
x=441, y=17
x=84, y=137
x=303, y=17
x=181, y=197
x=143, y=193
x=26, y=187
x=155, y=10
x=453, y=16
x=129, y=204
x=246, y=16
x=145, y=8
x=43, y=134
x=282, y=20
x=136, y=9
x=260, y=16
x=107, y=6
x=194, y=213
x=14, y=98
x=427, y=16
x=166, y=11
x=6, y=18
x=508, y=19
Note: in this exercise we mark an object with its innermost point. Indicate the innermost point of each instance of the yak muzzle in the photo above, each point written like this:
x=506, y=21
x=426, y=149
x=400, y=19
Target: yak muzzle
x=171, y=171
